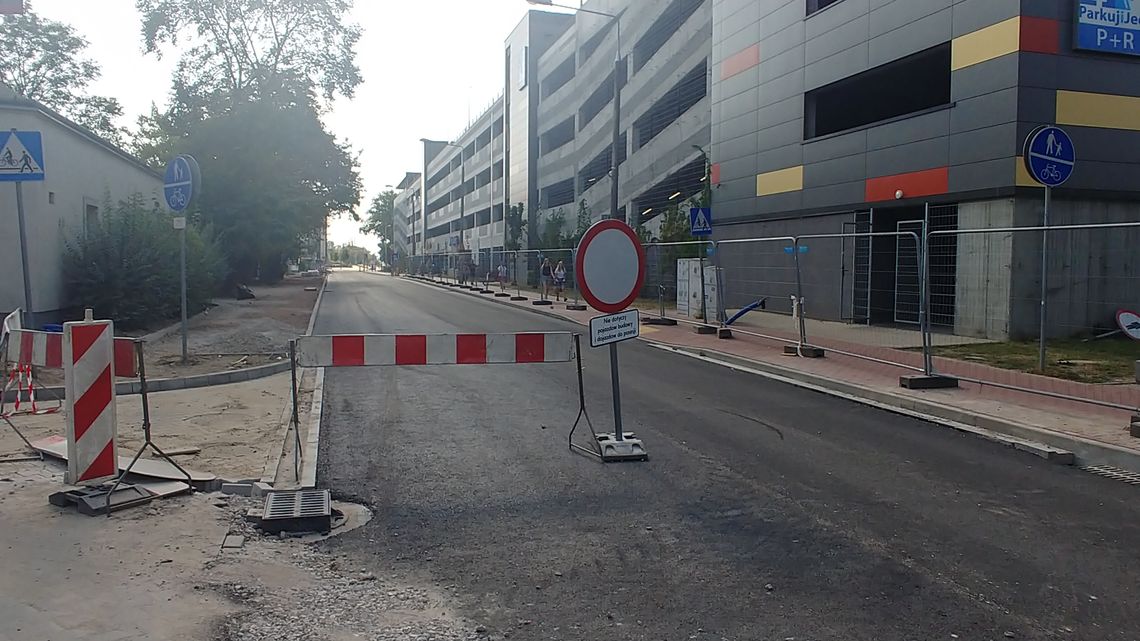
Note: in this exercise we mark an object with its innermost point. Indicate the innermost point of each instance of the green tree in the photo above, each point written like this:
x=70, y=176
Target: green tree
x=264, y=191
x=46, y=63
x=552, y=235
x=516, y=227
x=585, y=219
x=127, y=266
x=675, y=229
x=248, y=49
x=380, y=215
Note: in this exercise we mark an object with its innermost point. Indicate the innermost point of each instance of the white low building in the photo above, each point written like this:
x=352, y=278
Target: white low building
x=82, y=173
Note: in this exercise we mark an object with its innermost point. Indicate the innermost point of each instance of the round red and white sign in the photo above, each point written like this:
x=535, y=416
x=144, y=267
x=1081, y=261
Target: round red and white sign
x=1129, y=322
x=610, y=265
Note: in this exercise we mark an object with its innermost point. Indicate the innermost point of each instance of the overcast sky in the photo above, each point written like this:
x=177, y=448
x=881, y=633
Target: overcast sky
x=427, y=64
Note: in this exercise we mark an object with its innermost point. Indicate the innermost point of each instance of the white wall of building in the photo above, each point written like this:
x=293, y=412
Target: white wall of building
x=80, y=172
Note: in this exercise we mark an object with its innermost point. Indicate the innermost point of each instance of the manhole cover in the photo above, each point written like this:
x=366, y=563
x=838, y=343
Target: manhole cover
x=297, y=511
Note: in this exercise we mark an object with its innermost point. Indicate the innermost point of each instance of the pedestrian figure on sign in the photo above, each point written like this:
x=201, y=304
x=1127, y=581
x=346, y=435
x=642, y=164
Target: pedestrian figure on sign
x=1052, y=146
x=26, y=163
x=559, y=280
x=502, y=277
x=546, y=274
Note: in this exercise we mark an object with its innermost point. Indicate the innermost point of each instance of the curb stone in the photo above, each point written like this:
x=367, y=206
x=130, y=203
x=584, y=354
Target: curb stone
x=1058, y=447
x=127, y=388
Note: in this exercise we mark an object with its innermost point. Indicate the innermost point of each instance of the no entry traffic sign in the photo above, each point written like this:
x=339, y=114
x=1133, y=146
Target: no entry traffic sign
x=610, y=265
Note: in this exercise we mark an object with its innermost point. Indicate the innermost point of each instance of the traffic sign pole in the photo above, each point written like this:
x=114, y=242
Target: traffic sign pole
x=610, y=266
x=28, y=319
x=185, y=322
x=180, y=185
x=1044, y=280
x=1050, y=158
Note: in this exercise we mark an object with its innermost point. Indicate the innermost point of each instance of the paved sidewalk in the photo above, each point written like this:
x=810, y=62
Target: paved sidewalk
x=1042, y=414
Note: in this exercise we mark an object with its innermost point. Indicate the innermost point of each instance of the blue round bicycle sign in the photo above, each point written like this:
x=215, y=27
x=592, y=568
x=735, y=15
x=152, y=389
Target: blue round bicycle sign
x=1050, y=156
x=179, y=182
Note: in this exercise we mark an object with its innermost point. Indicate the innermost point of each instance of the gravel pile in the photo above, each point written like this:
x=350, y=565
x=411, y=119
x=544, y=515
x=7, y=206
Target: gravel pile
x=340, y=598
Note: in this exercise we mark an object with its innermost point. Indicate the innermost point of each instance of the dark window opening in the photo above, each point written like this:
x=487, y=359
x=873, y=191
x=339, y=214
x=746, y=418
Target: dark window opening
x=497, y=128
x=497, y=170
x=591, y=45
x=439, y=175
x=484, y=139
x=559, y=194
x=662, y=29
x=90, y=219
x=690, y=90
x=558, y=78
x=497, y=213
x=599, y=166
x=483, y=217
x=596, y=102
x=816, y=5
x=909, y=85
x=557, y=136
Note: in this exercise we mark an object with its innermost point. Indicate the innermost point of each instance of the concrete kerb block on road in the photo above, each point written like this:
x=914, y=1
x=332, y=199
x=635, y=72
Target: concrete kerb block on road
x=1058, y=447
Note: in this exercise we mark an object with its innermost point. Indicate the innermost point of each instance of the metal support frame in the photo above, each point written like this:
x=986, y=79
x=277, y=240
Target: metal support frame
x=582, y=412
x=293, y=394
x=148, y=441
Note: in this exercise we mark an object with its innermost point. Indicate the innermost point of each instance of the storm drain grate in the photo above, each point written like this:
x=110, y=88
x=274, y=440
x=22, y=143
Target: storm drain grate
x=297, y=511
x=1114, y=473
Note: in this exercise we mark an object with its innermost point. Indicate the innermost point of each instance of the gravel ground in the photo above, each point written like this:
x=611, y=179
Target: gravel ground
x=286, y=590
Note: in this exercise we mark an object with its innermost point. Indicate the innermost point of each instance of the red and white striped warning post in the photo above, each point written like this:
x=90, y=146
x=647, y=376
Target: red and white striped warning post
x=89, y=396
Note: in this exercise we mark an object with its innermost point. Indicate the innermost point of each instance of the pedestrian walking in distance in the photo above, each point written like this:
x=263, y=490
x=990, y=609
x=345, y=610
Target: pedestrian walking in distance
x=546, y=275
x=559, y=281
x=502, y=277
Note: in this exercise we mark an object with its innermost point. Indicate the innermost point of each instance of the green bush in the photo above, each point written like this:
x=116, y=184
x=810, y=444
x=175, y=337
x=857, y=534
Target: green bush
x=126, y=267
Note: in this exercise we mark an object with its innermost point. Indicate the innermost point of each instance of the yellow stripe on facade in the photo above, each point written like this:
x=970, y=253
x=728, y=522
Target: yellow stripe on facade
x=985, y=44
x=779, y=182
x=1022, y=177
x=1106, y=111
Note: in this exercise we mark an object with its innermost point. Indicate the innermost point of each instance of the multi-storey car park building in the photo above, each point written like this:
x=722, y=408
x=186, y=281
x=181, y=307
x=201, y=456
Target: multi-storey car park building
x=845, y=115
x=824, y=117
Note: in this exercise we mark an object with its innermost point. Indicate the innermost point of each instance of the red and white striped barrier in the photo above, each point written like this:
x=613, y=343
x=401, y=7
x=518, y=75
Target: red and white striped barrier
x=45, y=349
x=364, y=350
x=89, y=394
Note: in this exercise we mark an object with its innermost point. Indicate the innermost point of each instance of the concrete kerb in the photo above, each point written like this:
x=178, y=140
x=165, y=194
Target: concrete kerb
x=1058, y=447
x=312, y=443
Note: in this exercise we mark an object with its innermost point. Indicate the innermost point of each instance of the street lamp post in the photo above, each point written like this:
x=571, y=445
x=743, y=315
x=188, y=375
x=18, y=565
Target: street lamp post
x=617, y=106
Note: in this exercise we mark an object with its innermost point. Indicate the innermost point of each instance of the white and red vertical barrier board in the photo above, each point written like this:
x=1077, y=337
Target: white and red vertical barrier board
x=89, y=384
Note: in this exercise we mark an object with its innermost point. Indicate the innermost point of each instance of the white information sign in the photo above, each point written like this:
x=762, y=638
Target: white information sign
x=614, y=328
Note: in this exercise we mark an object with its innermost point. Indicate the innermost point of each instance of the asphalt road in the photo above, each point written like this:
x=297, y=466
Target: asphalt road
x=765, y=511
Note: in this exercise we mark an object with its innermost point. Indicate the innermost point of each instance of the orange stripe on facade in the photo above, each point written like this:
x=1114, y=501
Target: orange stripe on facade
x=1040, y=35
x=930, y=182
x=740, y=61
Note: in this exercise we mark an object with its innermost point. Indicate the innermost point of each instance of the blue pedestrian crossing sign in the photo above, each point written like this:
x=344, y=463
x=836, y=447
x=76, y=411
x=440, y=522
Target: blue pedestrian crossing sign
x=180, y=182
x=700, y=221
x=21, y=156
x=1050, y=156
